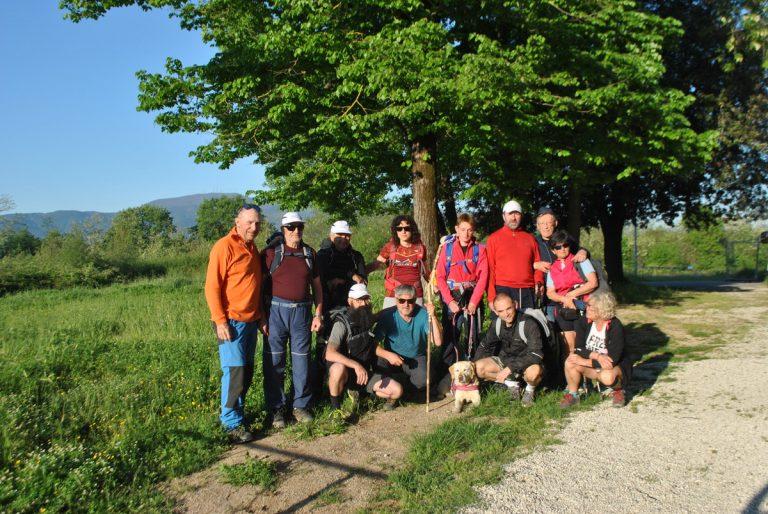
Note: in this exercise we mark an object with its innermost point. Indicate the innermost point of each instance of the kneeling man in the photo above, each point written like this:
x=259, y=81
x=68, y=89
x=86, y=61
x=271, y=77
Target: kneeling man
x=351, y=346
x=512, y=351
x=403, y=331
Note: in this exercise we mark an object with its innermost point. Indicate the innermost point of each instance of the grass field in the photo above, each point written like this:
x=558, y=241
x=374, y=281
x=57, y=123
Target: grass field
x=105, y=392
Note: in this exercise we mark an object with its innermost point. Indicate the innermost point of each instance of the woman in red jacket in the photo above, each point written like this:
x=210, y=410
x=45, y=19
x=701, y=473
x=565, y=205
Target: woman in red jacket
x=405, y=257
x=566, y=285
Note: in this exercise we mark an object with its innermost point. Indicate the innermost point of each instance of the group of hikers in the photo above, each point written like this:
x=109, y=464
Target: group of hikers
x=552, y=316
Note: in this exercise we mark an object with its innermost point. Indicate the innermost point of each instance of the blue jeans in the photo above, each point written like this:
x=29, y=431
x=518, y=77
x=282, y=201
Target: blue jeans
x=288, y=321
x=236, y=359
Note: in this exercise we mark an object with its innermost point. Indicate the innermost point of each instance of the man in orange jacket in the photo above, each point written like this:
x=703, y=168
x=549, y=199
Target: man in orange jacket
x=233, y=293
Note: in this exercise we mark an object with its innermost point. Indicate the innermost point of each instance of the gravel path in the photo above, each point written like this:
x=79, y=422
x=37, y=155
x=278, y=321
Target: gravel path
x=697, y=442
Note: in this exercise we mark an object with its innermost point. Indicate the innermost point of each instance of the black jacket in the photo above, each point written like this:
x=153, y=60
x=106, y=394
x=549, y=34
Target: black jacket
x=514, y=352
x=335, y=264
x=614, y=340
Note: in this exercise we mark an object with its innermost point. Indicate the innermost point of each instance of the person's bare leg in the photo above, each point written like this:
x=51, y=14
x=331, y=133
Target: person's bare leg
x=388, y=389
x=573, y=376
x=570, y=341
x=533, y=375
x=337, y=378
x=487, y=369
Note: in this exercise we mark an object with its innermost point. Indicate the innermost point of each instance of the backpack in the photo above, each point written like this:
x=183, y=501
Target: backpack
x=602, y=281
x=449, y=242
x=276, y=241
x=360, y=343
x=554, y=375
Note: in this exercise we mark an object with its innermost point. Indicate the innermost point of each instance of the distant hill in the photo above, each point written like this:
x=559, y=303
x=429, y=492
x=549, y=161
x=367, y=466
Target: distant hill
x=182, y=208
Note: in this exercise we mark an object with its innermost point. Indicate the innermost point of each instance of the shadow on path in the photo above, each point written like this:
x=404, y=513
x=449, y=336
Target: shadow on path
x=753, y=507
x=643, y=339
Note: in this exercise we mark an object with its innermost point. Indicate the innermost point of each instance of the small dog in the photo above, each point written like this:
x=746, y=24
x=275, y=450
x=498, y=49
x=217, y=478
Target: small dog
x=465, y=385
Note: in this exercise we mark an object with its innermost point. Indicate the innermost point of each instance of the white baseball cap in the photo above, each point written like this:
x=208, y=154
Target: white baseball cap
x=512, y=206
x=291, y=217
x=340, y=227
x=358, y=291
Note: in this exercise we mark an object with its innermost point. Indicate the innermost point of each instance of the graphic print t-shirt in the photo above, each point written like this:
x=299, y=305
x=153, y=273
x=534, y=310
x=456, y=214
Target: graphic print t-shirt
x=596, y=340
x=406, y=264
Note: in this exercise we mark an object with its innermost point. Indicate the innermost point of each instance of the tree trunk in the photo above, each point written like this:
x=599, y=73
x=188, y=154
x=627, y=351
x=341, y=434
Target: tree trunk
x=423, y=153
x=574, y=211
x=612, y=216
x=612, y=228
x=449, y=201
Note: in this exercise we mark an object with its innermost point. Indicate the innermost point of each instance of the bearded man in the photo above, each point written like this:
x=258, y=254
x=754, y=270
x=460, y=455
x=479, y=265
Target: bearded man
x=351, y=353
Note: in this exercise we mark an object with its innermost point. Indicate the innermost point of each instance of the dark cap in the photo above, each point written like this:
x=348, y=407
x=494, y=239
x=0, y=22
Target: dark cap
x=546, y=210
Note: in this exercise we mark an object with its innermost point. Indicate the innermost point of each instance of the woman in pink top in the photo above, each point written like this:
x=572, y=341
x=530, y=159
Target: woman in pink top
x=462, y=276
x=568, y=287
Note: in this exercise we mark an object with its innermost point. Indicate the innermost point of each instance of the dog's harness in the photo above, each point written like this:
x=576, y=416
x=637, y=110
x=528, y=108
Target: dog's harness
x=468, y=387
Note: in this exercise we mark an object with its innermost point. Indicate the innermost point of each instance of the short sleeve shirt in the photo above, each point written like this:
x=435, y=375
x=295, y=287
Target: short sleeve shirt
x=596, y=340
x=407, y=339
x=406, y=264
x=293, y=277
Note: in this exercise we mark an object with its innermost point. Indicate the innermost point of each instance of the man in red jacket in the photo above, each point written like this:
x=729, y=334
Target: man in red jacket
x=511, y=254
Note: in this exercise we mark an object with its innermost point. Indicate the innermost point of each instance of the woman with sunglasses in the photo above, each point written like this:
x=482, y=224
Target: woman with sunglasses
x=404, y=256
x=568, y=285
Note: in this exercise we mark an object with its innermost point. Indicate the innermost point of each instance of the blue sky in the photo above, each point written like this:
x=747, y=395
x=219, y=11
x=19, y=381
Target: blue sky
x=70, y=135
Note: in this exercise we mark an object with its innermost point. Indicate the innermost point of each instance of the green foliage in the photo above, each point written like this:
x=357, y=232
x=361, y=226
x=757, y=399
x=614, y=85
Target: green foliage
x=261, y=472
x=215, y=216
x=333, y=98
x=137, y=229
x=18, y=242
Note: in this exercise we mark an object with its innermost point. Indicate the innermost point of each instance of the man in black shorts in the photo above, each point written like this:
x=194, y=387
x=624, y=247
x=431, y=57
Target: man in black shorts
x=352, y=351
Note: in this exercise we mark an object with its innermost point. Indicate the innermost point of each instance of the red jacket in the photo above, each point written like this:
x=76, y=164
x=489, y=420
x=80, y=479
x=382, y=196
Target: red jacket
x=511, y=254
x=477, y=272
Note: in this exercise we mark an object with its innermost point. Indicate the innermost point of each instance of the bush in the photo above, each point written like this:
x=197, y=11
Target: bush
x=18, y=242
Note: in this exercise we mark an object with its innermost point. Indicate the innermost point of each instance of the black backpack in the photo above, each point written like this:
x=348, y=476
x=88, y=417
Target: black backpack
x=361, y=345
x=554, y=374
x=277, y=242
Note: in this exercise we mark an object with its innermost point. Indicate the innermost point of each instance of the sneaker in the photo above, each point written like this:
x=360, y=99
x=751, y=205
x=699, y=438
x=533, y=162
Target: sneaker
x=302, y=415
x=618, y=398
x=514, y=392
x=528, y=397
x=278, y=419
x=389, y=405
x=606, y=393
x=354, y=395
x=569, y=400
x=239, y=435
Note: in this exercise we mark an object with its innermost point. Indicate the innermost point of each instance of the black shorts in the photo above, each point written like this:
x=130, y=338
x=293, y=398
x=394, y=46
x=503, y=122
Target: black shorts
x=352, y=378
x=564, y=325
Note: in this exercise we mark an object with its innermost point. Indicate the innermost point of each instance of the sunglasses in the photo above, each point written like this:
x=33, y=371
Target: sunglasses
x=291, y=228
x=560, y=247
x=409, y=301
x=403, y=229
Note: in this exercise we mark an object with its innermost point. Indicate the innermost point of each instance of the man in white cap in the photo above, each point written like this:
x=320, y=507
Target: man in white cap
x=341, y=266
x=512, y=253
x=352, y=351
x=293, y=271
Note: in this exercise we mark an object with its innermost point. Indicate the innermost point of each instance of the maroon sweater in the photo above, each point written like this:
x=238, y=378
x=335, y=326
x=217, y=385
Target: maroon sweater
x=511, y=254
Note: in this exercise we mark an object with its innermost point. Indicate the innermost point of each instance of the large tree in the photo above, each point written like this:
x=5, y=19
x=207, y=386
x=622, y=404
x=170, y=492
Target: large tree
x=348, y=103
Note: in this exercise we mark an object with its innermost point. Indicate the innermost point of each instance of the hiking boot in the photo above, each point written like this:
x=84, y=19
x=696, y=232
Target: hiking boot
x=302, y=415
x=606, y=393
x=389, y=405
x=618, y=398
x=569, y=401
x=239, y=435
x=354, y=395
x=278, y=419
x=528, y=397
